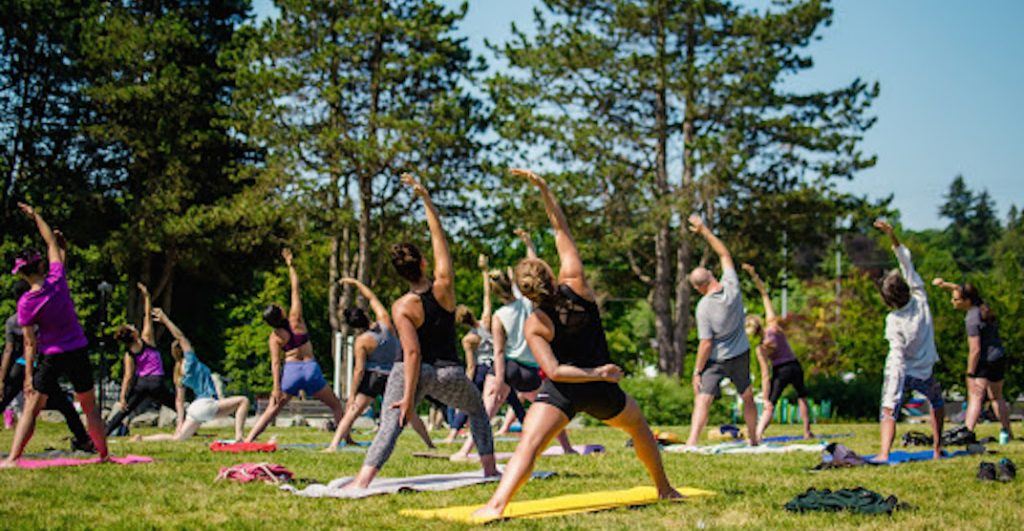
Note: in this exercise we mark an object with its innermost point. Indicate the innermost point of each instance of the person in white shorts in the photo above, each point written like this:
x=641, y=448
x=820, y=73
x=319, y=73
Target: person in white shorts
x=209, y=402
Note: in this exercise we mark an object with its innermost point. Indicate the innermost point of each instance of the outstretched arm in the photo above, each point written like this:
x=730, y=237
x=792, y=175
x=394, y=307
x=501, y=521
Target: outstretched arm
x=914, y=280
x=295, y=309
x=161, y=317
x=485, y=316
x=126, y=378
x=697, y=226
x=53, y=251
x=570, y=269
x=531, y=250
x=948, y=286
x=885, y=227
x=766, y=375
x=379, y=311
x=147, y=316
x=443, y=271
x=769, y=310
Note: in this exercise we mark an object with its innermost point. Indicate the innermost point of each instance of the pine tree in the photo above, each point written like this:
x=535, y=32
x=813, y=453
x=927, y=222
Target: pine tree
x=656, y=109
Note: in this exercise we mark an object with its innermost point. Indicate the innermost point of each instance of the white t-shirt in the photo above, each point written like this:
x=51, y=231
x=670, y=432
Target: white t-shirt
x=513, y=319
x=910, y=329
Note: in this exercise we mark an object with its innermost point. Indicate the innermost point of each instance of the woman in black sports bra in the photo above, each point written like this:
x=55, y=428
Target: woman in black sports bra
x=568, y=341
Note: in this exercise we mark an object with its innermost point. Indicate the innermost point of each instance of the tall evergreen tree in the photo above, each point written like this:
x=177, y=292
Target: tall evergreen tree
x=343, y=96
x=657, y=108
x=158, y=96
x=973, y=225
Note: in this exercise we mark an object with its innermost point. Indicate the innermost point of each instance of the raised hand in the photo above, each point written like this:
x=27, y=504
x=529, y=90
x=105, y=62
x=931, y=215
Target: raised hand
x=286, y=253
x=62, y=242
x=143, y=289
x=349, y=281
x=522, y=234
x=696, y=224
x=883, y=226
x=937, y=281
x=481, y=262
x=749, y=269
x=534, y=179
x=158, y=315
x=27, y=209
x=417, y=188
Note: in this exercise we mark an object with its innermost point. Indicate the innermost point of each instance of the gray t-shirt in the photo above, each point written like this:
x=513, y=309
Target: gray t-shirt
x=720, y=318
x=13, y=335
x=991, y=344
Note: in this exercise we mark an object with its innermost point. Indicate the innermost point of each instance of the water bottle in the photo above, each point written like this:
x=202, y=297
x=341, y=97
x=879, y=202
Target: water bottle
x=1004, y=437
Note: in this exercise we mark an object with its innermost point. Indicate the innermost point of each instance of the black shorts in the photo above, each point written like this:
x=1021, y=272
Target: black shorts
x=993, y=371
x=601, y=400
x=789, y=373
x=522, y=378
x=373, y=384
x=73, y=365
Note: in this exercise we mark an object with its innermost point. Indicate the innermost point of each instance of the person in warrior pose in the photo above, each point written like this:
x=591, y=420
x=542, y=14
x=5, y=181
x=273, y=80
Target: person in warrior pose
x=779, y=366
x=724, y=350
x=144, y=366
x=514, y=369
x=301, y=372
x=191, y=373
x=428, y=362
x=51, y=330
x=912, y=354
x=375, y=351
x=567, y=339
x=986, y=358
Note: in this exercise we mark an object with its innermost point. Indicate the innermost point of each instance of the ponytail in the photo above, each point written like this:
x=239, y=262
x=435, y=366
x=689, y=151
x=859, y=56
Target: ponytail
x=970, y=292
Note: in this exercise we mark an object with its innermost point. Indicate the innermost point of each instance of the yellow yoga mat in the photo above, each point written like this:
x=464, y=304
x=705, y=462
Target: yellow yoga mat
x=557, y=506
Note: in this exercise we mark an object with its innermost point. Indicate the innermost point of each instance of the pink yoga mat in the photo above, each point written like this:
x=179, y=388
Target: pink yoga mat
x=71, y=461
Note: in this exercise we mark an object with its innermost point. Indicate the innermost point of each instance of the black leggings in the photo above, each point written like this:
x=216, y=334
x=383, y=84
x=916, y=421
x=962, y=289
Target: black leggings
x=789, y=373
x=56, y=400
x=479, y=377
x=147, y=388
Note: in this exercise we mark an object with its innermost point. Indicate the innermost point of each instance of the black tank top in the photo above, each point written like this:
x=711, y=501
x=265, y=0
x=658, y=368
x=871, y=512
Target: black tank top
x=436, y=334
x=579, y=336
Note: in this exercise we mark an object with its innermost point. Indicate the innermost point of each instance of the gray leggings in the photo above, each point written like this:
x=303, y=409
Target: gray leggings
x=447, y=384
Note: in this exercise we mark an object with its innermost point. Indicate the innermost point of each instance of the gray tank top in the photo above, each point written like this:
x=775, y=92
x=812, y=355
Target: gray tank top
x=388, y=348
x=485, y=350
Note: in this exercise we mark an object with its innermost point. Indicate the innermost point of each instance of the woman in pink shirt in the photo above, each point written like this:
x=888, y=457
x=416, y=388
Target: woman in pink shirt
x=54, y=338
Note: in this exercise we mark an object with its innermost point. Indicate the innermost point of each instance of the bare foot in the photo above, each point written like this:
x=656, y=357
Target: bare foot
x=330, y=449
x=670, y=494
x=7, y=463
x=570, y=451
x=486, y=514
x=937, y=454
x=136, y=438
x=459, y=457
x=808, y=435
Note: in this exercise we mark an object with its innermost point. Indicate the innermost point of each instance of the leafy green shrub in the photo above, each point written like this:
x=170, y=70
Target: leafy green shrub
x=857, y=400
x=666, y=401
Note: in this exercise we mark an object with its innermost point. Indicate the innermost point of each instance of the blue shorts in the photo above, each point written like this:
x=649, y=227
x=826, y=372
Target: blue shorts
x=895, y=393
x=302, y=376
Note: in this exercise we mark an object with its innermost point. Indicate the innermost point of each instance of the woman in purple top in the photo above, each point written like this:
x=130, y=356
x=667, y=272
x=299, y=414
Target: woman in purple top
x=779, y=367
x=143, y=366
x=301, y=372
x=51, y=329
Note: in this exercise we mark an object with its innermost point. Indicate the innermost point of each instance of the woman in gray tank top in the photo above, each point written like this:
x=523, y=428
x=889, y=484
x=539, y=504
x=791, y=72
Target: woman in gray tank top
x=375, y=350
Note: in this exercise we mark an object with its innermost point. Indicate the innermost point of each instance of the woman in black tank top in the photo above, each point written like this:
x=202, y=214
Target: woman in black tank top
x=568, y=341
x=437, y=333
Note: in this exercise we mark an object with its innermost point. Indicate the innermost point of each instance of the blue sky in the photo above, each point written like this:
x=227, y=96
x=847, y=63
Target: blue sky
x=950, y=71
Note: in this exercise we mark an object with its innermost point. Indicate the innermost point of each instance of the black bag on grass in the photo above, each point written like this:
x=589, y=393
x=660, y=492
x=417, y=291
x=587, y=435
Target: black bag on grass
x=857, y=500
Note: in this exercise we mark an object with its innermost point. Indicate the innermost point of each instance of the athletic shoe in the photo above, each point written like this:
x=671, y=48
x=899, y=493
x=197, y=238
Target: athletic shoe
x=1007, y=470
x=987, y=471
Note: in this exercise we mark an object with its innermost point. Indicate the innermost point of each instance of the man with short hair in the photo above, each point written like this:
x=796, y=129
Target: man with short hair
x=724, y=350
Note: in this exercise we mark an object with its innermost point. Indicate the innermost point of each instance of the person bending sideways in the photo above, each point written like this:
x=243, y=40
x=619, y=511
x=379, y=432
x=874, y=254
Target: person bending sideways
x=51, y=330
x=429, y=363
x=144, y=379
x=912, y=354
x=567, y=339
x=779, y=366
x=986, y=358
x=724, y=350
x=375, y=350
x=301, y=372
x=191, y=373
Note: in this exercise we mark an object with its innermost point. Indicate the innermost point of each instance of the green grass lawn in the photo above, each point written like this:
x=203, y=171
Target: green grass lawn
x=178, y=491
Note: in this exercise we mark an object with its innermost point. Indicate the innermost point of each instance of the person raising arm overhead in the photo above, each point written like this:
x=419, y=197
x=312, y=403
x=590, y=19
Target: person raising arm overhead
x=568, y=340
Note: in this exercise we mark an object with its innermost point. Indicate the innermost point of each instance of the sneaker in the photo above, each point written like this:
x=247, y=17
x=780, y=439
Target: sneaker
x=1007, y=470
x=987, y=471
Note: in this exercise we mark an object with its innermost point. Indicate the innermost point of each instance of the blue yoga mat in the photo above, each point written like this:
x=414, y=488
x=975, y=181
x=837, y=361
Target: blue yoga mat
x=791, y=438
x=900, y=457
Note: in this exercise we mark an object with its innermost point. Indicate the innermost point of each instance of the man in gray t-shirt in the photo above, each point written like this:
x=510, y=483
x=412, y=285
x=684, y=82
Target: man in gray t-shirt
x=724, y=350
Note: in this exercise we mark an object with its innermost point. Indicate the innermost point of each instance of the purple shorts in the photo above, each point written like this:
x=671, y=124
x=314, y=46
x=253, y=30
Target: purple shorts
x=302, y=376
